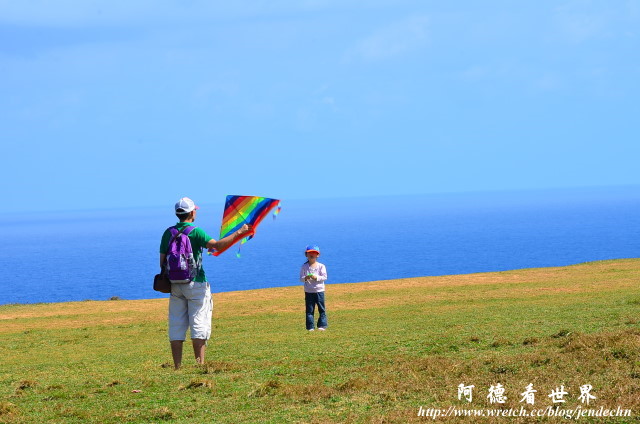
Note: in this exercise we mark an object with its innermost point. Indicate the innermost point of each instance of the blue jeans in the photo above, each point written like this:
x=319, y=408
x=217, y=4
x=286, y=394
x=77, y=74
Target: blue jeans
x=310, y=302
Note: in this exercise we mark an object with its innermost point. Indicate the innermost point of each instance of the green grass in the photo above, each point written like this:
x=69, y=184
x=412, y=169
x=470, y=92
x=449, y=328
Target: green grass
x=392, y=346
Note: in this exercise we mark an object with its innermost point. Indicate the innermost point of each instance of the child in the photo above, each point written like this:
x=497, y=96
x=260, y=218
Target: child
x=313, y=274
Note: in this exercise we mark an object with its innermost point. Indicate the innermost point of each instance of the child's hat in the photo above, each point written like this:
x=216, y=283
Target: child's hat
x=312, y=248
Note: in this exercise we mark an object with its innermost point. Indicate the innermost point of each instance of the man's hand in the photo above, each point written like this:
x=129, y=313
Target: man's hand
x=222, y=244
x=245, y=229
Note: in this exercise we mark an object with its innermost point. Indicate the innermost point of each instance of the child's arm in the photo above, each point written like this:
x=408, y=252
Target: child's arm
x=322, y=274
x=303, y=275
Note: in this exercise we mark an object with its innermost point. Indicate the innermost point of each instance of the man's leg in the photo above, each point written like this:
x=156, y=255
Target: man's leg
x=322, y=320
x=178, y=323
x=310, y=307
x=200, y=313
x=176, y=352
x=199, y=348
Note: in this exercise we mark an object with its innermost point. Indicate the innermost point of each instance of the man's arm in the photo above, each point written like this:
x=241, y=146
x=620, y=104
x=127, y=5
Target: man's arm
x=223, y=243
x=162, y=259
x=164, y=242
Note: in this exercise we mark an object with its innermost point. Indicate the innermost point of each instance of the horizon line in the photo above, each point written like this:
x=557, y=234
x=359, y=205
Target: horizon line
x=367, y=196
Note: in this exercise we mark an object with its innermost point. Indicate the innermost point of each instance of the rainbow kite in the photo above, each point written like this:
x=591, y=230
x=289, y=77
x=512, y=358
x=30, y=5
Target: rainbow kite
x=240, y=210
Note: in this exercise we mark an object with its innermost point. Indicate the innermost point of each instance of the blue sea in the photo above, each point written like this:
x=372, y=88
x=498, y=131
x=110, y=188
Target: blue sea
x=98, y=254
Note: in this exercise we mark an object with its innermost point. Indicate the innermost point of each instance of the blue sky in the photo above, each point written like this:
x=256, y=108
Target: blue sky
x=115, y=104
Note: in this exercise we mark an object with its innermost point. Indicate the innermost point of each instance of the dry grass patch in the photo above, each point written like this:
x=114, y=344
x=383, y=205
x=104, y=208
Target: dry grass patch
x=8, y=409
x=162, y=413
x=25, y=385
x=199, y=383
x=267, y=388
x=216, y=367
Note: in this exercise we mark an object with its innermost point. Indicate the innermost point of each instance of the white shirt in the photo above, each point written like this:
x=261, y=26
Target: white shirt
x=317, y=269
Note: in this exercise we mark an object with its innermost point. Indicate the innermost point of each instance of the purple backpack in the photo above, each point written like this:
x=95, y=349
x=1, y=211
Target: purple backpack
x=181, y=265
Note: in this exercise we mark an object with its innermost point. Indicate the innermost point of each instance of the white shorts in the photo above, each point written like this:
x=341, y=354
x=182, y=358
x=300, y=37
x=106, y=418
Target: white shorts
x=190, y=306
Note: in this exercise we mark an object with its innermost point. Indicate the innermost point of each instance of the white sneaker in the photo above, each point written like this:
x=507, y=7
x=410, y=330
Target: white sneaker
x=310, y=330
x=321, y=328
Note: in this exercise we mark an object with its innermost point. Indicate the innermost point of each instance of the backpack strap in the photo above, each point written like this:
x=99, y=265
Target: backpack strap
x=188, y=229
x=175, y=233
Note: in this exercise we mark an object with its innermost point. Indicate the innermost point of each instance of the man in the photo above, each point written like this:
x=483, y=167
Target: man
x=191, y=304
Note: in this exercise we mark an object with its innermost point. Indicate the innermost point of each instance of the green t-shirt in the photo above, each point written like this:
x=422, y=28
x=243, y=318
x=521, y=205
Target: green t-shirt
x=198, y=239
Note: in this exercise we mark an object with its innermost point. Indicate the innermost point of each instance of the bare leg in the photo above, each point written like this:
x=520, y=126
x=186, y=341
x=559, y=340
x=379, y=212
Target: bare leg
x=199, y=346
x=176, y=352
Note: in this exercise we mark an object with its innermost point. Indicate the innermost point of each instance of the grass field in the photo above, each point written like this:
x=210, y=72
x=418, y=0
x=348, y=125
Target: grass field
x=392, y=346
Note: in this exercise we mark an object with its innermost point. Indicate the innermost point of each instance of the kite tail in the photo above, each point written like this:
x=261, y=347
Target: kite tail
x=244, y=240
x=276, y=212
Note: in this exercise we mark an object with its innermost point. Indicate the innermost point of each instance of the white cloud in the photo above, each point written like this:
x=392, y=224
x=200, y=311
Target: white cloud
x=71, y=13
x=581, y=21
x=579, y=26
x=549, y=82
x=328, y=100
x=392, y=40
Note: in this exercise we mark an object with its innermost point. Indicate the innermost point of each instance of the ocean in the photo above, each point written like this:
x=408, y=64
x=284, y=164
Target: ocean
x=99, y=254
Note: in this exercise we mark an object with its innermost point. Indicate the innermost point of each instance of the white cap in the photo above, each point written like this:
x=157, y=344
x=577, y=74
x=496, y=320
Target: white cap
x=185, y=205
